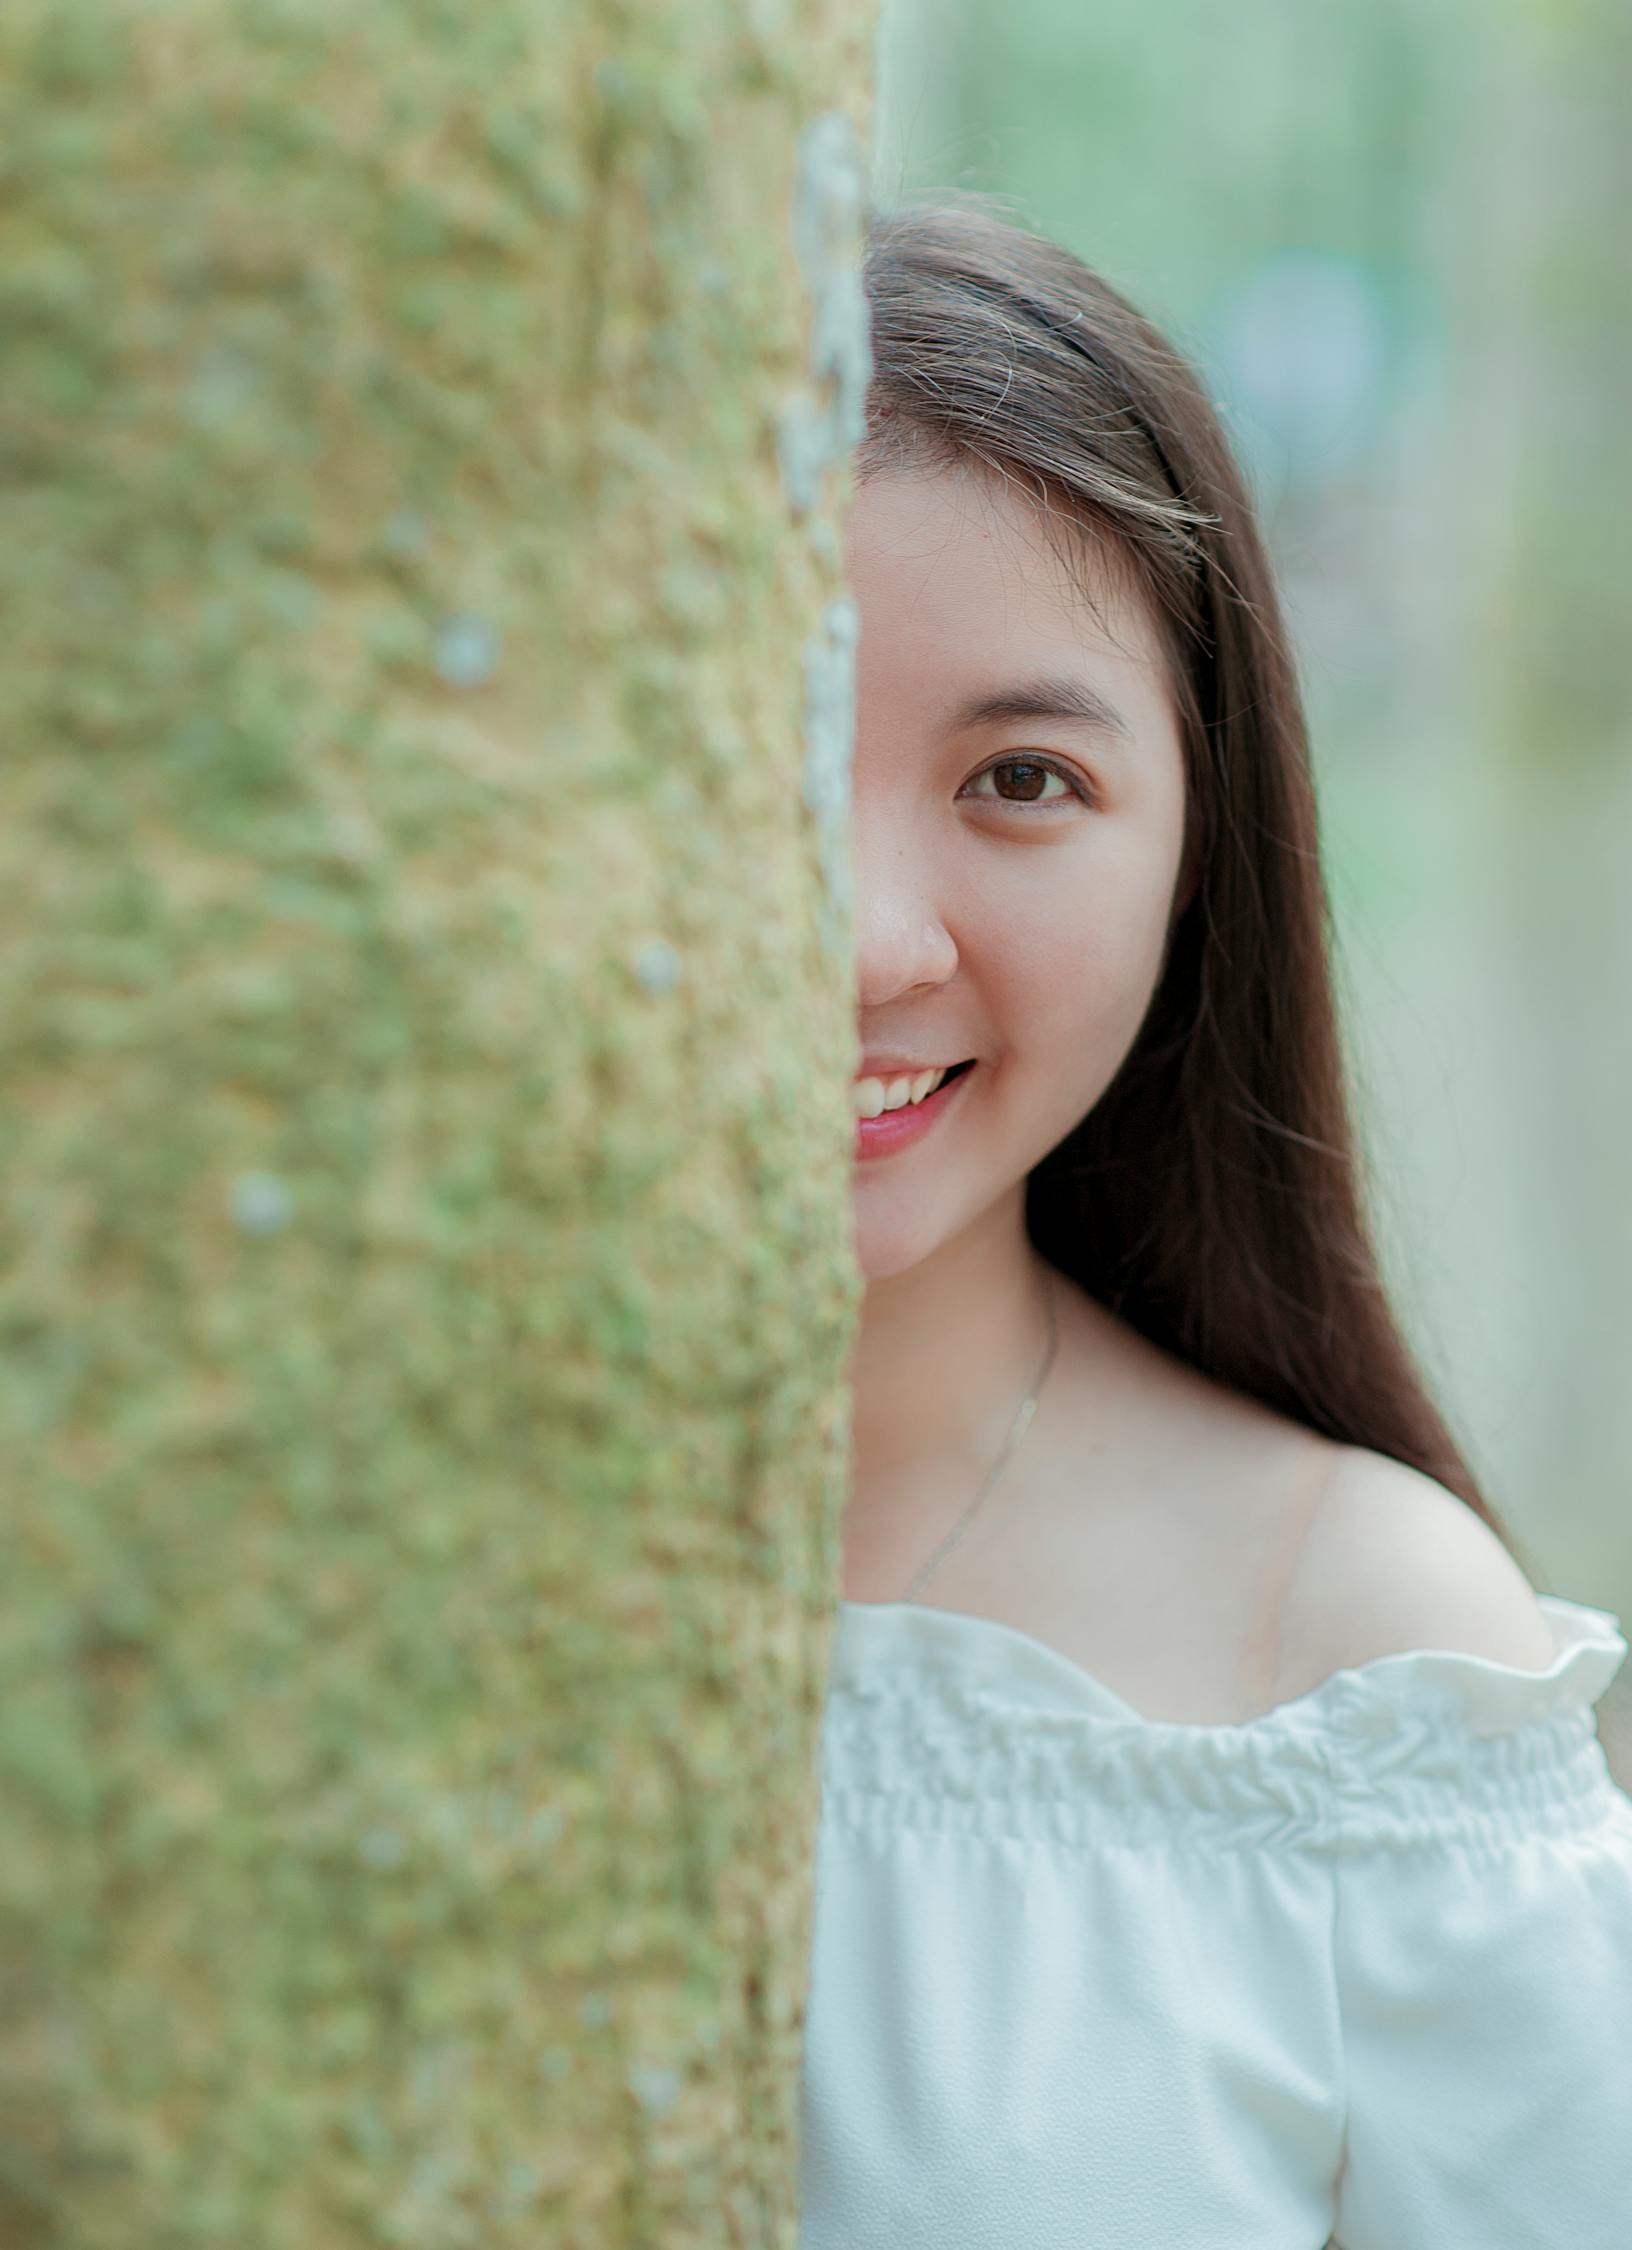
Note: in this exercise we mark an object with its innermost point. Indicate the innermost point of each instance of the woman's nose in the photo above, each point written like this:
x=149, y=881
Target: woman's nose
x=901, y=935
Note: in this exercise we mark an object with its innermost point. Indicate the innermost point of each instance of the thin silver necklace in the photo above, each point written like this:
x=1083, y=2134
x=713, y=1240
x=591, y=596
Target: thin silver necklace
x=1017, y=1430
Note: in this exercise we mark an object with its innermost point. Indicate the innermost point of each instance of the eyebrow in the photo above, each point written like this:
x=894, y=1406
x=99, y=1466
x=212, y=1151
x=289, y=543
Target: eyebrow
x=1054, y=696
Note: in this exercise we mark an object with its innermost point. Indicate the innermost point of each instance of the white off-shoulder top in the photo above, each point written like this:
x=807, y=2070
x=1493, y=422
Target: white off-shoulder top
x=1358, y=1969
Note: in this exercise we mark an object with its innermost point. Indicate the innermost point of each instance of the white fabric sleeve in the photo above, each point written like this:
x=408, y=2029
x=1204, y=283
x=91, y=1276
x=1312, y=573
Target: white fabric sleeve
x=1483, y=1967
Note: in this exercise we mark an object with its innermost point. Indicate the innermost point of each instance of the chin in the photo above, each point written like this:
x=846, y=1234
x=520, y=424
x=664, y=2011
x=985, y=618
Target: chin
x=884, y=1247
x=890, y=1232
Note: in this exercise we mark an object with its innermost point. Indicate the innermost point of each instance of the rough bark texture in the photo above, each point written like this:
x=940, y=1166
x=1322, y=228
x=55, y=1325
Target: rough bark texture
x=426, y=1279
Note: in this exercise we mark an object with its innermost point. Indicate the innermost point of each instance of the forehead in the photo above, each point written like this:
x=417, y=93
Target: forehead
x=959, y=556
x=961, y=579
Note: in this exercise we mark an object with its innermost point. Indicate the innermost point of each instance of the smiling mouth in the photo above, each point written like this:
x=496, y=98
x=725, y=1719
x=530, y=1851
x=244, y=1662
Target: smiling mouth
x=918, y=1087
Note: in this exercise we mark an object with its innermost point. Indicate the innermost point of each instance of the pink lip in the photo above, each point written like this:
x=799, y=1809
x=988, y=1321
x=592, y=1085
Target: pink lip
x=898, y=1128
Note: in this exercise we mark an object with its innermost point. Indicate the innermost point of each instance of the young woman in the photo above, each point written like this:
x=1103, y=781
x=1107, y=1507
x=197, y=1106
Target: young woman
x=1224, y=1856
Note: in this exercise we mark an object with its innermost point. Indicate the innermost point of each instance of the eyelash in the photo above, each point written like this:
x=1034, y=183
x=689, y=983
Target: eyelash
x=1073, y=781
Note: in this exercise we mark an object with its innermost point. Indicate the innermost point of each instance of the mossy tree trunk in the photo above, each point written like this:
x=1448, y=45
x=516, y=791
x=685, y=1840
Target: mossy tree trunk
x=423, y=945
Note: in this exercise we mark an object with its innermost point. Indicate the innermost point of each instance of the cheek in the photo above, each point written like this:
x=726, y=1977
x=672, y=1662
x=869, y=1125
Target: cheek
x=1078, y=955
x=1071, y=982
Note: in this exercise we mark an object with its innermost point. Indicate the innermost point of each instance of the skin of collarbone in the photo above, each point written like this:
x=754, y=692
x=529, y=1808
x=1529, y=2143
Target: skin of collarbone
x=1016, y=881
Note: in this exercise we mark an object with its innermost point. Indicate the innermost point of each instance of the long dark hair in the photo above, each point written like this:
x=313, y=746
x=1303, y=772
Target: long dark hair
x=1212, y=1197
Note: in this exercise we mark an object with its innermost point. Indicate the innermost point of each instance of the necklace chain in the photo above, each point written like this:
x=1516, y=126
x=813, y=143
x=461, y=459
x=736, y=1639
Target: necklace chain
x=1017, y=1430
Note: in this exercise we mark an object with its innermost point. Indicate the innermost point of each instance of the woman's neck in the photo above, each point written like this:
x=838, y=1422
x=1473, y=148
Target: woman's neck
x=945, y=1353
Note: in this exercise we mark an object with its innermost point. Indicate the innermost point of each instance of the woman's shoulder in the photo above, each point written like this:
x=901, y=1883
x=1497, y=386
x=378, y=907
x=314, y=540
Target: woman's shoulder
x=1336, y=1554
x=1391, y=1561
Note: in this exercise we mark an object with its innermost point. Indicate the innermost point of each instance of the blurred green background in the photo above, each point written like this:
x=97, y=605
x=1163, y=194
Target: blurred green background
x=1394, y=237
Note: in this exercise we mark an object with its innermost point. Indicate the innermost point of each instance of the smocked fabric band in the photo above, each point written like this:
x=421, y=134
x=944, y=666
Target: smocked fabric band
x=939, y=1719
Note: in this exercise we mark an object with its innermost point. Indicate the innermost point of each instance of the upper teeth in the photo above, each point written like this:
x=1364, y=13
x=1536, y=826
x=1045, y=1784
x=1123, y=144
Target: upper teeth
x=872, y=1096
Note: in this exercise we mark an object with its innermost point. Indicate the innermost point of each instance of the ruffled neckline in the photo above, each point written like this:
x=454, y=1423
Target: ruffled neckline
x=876, y=1642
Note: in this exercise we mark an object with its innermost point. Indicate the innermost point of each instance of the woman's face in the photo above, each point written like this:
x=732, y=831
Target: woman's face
x=1015, y=874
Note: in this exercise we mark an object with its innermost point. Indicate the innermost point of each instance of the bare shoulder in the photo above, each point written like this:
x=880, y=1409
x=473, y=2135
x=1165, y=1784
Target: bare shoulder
x=1391, y=1561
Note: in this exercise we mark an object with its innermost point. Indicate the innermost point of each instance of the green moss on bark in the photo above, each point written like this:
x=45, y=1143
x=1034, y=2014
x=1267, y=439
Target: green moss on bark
x=426, y=1278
